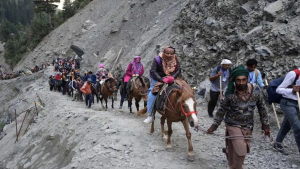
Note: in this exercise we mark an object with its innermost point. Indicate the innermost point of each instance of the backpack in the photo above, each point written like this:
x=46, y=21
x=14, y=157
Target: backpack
x=274, y=97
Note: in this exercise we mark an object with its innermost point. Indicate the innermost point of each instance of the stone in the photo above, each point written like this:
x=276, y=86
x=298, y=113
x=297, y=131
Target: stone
x=114, y=30
x=210, y=21
x=88, y=24
x=254, y=32
x=273, y=9
x=294, y=166
x=263, y=51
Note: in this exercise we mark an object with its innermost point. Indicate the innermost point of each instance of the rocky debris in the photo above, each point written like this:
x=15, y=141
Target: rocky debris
x=238, y=30
x=88, y=25
x=273, y=9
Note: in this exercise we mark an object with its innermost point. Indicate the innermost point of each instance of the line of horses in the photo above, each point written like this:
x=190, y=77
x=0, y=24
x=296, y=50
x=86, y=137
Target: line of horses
x=180, y=105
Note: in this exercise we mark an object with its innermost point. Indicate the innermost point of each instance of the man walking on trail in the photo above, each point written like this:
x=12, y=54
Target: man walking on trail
x=87, y=91
x=289, y=106
x=218, y=72
x=254, y=74
x=238, y=108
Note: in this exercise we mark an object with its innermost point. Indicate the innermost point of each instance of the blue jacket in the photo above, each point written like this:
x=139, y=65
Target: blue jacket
x=94, y=78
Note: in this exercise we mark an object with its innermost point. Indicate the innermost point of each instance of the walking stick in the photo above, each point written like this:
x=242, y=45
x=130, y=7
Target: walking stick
x=274, y=110
x=220, y=88
x=298, y=99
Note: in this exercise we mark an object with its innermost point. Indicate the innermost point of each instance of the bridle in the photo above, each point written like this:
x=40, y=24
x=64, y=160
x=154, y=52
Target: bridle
x=183, y=113
x=108, y=86
x=187, y=114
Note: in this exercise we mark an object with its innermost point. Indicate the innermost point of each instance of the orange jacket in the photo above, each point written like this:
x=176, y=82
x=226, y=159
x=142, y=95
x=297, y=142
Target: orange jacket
x=86, y=88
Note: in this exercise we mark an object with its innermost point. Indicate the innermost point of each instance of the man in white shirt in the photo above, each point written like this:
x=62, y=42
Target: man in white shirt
x=289, y=105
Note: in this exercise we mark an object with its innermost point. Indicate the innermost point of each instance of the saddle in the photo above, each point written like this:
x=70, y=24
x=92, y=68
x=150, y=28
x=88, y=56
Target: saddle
x=162, y=97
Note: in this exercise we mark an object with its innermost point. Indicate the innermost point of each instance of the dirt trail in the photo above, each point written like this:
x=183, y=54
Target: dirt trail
x=66, y=134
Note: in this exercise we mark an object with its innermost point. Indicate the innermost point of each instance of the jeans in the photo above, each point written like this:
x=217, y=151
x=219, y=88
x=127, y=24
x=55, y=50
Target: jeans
x=214, y=96
x=151, y=98
x=88, y=99
x=290, y=121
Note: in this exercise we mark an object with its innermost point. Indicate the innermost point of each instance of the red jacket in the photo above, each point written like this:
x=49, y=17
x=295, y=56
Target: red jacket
x=86, y=88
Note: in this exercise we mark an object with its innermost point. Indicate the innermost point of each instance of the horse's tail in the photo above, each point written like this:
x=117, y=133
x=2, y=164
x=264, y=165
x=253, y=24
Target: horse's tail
x=141, y=80
x=143, y=111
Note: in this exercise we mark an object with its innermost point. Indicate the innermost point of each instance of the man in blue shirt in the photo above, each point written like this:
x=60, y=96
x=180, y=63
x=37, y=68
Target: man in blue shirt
x=254, y=74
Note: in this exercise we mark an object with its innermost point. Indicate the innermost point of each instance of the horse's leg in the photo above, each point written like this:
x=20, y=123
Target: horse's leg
x=152, y=125
x=112, y=101
x=137, y=104
x=130, y=103
x=106, y=102
x=101, y=99
x=162, y=123
x=145, y=103
x=169, y=146
x=191, y=156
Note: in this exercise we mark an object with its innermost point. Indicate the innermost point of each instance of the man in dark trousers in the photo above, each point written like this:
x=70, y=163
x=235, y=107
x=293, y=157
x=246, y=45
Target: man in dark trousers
x=223, y=72
x=289, y=105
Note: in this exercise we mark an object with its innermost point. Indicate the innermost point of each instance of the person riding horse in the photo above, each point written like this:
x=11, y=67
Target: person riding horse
x=164, y=68
x=134, y=69
x=102, y=75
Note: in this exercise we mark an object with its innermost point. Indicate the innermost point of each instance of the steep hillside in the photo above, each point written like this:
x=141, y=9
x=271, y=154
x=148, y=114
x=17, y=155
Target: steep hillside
x=140, y=27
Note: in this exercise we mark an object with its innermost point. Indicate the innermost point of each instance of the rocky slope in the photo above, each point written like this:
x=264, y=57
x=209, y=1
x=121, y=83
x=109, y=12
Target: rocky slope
x=67, y=135
x=239, y=30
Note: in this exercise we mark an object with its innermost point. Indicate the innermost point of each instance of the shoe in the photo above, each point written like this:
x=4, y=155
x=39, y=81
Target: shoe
x=279, y=148
x=148, y=119
x=120, y=107
x=210, y=115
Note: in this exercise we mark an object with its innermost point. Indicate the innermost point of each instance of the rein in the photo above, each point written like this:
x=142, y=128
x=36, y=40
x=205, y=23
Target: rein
x=183, y=113
x=108, y=86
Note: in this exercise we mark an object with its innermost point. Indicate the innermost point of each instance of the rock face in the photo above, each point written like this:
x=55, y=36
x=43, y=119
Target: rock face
x=204, y=32
x=208, y=31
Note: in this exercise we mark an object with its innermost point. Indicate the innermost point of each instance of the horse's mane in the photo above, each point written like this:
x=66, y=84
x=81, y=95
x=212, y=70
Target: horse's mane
x=141, y=80
x=109, y=80
x=185, y=95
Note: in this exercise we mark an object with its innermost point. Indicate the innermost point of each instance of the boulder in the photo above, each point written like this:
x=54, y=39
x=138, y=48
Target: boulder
x=87, y=25
x=273, y=9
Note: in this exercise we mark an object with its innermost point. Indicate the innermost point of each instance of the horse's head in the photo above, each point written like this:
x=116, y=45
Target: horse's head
x=112, y=84
x=142, y=86
x=187, y=105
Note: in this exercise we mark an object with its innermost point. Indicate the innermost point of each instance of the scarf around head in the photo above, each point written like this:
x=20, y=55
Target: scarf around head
x=169, y=62
x=136, y=66
x=238, y=71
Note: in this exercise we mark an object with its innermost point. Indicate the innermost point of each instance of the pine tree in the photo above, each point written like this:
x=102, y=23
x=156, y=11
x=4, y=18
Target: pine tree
x=46, y=6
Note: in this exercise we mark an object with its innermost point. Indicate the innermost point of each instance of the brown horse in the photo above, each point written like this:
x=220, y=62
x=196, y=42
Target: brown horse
x=140, y=91
x=108, y=89
x=180, y=106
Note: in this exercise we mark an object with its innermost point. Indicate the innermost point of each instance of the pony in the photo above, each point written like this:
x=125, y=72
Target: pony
x=140, y=91
x=180, y=107
x=109, y=87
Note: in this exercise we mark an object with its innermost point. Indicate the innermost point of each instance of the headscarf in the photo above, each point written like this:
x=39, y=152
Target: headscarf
x=101, y=65
x=136, y=66
x=226, y=62
x=169, y=62
x=238, y=71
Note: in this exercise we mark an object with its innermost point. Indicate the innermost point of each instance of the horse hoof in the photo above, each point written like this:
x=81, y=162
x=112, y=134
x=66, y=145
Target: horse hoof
x=169, y=149
x=165, y=138
x=191, y=157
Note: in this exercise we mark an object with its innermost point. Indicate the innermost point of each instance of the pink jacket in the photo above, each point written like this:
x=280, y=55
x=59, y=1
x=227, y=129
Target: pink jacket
x=129, y=73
